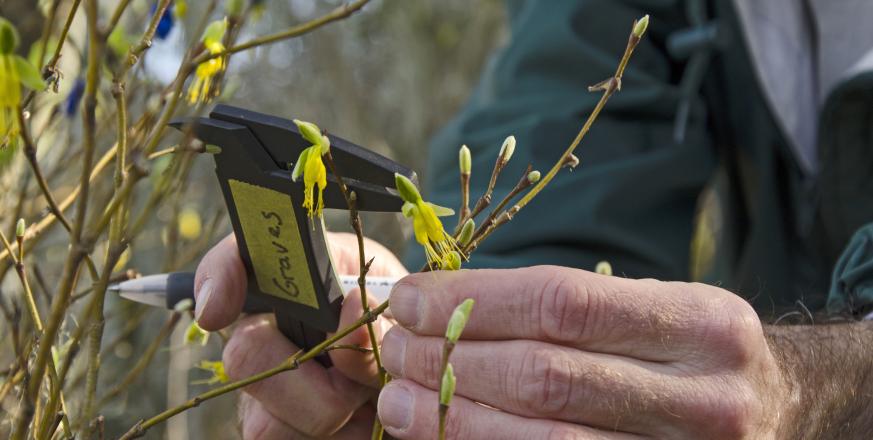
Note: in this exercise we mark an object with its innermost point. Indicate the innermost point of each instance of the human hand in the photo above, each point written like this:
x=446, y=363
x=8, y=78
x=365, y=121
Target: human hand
x=311, y=401
x=563, y=353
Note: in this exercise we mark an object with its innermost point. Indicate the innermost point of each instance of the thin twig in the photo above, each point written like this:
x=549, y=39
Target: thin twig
x=609, y=87
x=351, y=199
x=338, y=13
x=77, y=252
x=291, y=363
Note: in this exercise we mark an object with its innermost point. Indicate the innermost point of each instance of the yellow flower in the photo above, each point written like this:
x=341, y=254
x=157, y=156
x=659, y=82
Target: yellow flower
x=195, y=334
x=439, y=246
x=217, y=369
x=311, y=165
x=15, y=71
x=203, y=88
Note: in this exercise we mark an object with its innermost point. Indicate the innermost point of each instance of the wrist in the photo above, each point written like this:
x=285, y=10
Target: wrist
x=825, y=368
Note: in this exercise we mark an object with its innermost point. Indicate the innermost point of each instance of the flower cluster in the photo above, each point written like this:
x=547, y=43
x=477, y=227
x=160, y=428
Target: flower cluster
x=204, y=87
x=440, y=248
x=311, y=165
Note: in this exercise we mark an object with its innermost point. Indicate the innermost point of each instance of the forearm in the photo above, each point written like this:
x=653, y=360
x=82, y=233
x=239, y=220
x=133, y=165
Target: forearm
x=829, y=369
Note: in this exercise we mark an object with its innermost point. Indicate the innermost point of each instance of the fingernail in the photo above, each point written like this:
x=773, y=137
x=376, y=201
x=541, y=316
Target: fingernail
x=394, y=351
x=395, y=406
x=203, y=296
x=404, y=304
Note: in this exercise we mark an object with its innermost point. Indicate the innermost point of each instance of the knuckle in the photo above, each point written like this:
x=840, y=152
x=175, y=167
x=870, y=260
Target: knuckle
x=427, y=359
x=727, y=415
x=456, y=426
x=564, y=308
x=736, y=332
x=238, y=353
x=545, y=384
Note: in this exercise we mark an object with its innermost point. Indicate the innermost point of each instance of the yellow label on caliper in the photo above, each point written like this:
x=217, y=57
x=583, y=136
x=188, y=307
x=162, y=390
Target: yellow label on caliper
x=274, y=244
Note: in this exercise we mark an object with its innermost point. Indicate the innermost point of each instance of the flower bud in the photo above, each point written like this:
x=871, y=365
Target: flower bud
x=465, y=160
x=407, y=190
x=19, y=228
x=507, y=149
x=603, y=268
x=533, y=176
x=214, y=33
x=466, y=232
x=309, y=131
x=447, y=386
x=452, y=261
x=640, y=26
x=8, y=37
x=459, y=320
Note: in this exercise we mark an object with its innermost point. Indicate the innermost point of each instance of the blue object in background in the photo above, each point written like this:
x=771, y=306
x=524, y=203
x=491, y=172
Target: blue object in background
x=165, y=25
x=71, y=104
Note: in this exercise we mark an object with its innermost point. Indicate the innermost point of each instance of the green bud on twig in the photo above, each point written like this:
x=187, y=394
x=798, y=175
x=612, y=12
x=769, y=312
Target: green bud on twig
x=407, y=190
x=452, y=261
x=465, y=160
x=459, y=320
x=309, y=131
x=8, y=37
x=466, y=232
x=640, y=26
x=215, y=31
x=603, y=268
x=507, y=149
x=533, y=176
x=447, y=386
x=19, y=228
x=212, y=149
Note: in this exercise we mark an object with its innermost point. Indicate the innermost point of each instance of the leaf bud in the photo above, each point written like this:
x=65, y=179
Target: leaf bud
x=452, y=261
x=447, y=386
x=466, y=232
x=465, y=160
x=459, y=320
x=640, y=26
x=507, y=149
x=19, y=228
x=603, y=268
x=533, y=176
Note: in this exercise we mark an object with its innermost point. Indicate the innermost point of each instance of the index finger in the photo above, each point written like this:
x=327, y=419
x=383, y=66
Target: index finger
x=220, y=286
x=646, y=319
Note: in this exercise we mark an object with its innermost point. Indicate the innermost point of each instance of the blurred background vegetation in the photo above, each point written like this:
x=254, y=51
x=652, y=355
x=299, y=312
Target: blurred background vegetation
x=386, y=78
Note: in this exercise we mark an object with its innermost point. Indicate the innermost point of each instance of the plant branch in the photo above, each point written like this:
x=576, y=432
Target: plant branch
x=291, y=363
x=364, y=267
x=338, y=13
x=609, y=87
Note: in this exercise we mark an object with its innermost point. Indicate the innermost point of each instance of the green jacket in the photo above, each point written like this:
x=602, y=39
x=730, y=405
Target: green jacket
x=633, y=199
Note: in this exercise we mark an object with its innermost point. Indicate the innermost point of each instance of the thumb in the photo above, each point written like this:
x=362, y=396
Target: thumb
x=219, y=286
x=358, y=366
